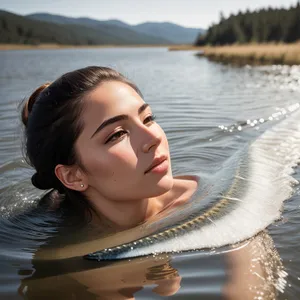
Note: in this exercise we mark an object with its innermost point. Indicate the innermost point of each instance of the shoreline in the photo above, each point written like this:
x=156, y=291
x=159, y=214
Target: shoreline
x=184, y=48
x=254, y=54
x=58, y=46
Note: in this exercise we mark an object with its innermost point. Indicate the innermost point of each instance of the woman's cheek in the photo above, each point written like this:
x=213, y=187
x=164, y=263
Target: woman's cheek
x=99, y=167
x=121, y=152
x=121, y=157
x=122, y=160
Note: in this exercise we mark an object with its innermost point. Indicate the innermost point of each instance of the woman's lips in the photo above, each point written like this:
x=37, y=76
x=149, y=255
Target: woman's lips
x=159, y=165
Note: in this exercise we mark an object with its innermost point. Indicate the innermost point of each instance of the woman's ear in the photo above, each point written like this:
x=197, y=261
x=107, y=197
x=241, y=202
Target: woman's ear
x=71, y=177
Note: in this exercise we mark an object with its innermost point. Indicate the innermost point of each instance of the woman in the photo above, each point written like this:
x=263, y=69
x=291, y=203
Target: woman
x=91, y=136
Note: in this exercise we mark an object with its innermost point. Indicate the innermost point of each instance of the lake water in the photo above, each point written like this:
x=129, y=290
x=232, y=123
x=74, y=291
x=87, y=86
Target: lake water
x=208, y=111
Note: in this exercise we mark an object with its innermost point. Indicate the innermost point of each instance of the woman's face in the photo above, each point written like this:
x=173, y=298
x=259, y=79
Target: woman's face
x=124, y=152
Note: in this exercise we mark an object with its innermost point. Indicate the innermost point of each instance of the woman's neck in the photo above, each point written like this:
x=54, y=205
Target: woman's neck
x=122, y=215
x=118, y=215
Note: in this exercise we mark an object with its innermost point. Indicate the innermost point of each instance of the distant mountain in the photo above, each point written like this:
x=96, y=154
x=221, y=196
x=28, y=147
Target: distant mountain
x=19, y=29
x=177, y=34
x=58, y=19
x=168, y=31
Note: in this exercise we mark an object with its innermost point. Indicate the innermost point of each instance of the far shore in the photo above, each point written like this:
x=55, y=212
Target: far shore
x=184, y=48
x=254, y=54
x=58, y=46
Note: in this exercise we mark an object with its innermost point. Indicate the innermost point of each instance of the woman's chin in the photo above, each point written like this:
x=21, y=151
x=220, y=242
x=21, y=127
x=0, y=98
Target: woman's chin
x=165, y=184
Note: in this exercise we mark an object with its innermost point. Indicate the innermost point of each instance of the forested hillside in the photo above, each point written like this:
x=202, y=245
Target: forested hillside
x=22, y=30
x=265, y=25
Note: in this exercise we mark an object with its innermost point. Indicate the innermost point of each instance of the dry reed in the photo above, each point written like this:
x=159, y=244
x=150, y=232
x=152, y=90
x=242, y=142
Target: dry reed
x=288, y=54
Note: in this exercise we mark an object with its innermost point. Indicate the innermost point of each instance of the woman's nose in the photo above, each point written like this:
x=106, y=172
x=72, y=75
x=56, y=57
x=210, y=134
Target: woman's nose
x=154, y=139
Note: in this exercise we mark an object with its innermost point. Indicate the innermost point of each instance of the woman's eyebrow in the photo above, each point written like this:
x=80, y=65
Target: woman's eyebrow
x=142, y=108
x=118, y=118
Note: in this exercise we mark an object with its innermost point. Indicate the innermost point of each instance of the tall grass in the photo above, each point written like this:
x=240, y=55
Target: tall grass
x=255, y=53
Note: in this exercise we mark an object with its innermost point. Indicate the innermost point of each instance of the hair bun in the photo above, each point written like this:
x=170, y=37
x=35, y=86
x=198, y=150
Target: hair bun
x=40, y=183
x=28, y=105
x=46, y=182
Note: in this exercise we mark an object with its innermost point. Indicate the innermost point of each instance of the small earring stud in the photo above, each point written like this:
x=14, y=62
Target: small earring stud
x=82, y=185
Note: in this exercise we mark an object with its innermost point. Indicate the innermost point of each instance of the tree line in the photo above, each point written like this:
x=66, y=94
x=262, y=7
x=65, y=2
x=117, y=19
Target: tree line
x=265, y=25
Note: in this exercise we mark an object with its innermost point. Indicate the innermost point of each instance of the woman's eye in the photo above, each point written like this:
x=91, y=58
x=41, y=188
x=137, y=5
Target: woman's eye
x=150, y=118
x=116, y=136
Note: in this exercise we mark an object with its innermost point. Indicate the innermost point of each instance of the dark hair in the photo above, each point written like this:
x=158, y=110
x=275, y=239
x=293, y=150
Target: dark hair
x=51, y=116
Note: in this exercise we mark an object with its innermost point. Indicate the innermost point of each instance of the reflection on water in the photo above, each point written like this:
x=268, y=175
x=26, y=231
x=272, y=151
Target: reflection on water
x=250, y=270
x=208, y=111
x=256, y=270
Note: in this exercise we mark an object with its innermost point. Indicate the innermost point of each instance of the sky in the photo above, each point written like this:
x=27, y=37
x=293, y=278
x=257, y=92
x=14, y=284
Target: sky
x=188, y=13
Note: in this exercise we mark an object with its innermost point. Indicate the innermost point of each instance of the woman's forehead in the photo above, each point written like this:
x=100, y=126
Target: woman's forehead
x=108, y=100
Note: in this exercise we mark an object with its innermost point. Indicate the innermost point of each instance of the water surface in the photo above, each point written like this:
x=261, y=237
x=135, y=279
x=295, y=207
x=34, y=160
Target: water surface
x=208, y=111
